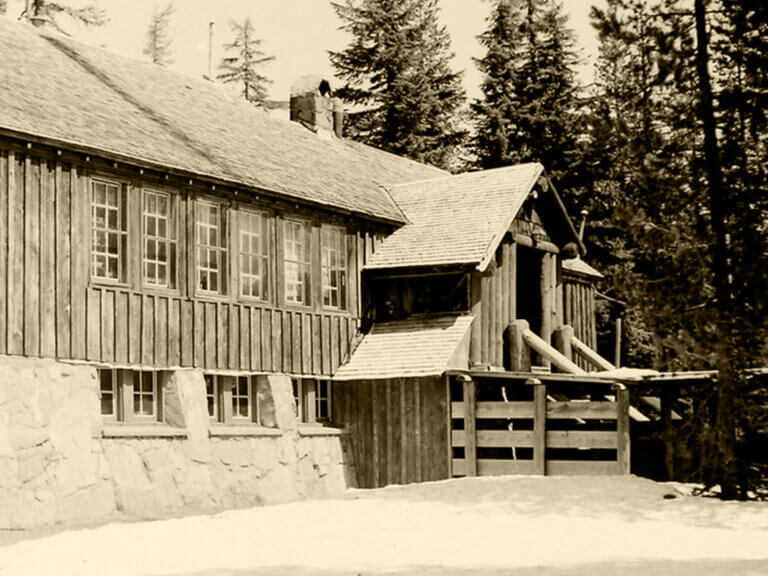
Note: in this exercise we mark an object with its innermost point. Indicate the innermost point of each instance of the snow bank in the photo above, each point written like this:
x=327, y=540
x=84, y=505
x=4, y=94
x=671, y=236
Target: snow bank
x=468, y=524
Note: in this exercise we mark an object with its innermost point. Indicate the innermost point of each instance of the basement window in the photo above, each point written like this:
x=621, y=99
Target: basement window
x=232, y=399
x=131, y=395
x=313, y=399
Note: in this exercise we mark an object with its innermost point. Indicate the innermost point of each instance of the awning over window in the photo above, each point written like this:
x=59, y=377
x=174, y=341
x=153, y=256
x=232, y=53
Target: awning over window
x=426, y=346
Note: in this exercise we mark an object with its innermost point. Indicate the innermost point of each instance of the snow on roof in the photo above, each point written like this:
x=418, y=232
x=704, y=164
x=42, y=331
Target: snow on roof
x=425, y=346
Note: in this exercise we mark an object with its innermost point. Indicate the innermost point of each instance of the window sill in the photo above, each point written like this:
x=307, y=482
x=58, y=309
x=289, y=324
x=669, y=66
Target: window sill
x=311, y=430
x=142, y=431
x=243, y=430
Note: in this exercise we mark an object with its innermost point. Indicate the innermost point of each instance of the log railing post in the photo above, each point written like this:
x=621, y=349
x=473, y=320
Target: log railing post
x=470, y=413
x=519, y=352
x=622, y=429
x=667, y=398
x=539, y=426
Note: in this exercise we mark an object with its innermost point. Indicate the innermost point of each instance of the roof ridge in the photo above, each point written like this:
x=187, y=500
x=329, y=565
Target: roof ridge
x=463, y=175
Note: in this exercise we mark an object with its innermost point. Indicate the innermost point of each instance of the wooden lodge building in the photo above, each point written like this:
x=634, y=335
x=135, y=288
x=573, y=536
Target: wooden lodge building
x=203, y=306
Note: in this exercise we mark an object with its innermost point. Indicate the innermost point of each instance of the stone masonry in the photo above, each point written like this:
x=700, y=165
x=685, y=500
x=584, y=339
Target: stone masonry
x=60, y=464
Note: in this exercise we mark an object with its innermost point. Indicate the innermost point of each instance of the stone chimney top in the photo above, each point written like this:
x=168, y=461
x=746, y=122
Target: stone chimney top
x=313, y=105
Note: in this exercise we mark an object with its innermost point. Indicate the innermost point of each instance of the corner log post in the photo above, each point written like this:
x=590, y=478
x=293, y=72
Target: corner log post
x=563, y=337
x=519, y=352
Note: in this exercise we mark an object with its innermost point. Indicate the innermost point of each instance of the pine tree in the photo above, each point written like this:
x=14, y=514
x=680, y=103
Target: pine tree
x=396, y=68
x=88, y=15
x=245, y=57
x=530, y=103
x=159, y=42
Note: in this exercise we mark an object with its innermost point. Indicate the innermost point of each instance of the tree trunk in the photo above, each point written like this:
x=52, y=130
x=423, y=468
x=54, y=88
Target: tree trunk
x=725, y=434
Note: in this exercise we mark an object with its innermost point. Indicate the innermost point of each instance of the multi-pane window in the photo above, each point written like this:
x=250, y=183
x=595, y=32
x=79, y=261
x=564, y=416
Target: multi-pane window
x=211, y=248
x=254, y=255
x=241, y=398
x=128, y=395
x=334, y=266
x=212, y=395
x=322, y=400
x=108, y=231
x=145, y=394
x=159, y=240
x=297, y=268
x=231, y=399
x=108, y=392
x=313, y=400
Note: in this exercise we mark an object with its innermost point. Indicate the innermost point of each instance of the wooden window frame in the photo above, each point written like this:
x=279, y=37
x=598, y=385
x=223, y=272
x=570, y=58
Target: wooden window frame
x=223, y=388
x=244, y=214
x=221, y=250
x=122, y=255
x=171, y=240
x=124, y=389
x=306, y=395
x=113, y=376
x=337, y=233
x=303, y=267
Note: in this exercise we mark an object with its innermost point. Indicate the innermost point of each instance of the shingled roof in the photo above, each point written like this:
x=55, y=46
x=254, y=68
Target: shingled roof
x=69, y=93
x=425, y=346
x=578, y=266
x=456, y=219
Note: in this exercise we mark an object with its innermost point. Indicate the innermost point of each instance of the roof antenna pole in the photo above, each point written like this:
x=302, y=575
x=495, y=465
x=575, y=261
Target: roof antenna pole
x=210, y=51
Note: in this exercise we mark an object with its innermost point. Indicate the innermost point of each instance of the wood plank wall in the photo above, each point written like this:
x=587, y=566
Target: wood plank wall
x=579, y=300
x=399, y=429
x=49, y=307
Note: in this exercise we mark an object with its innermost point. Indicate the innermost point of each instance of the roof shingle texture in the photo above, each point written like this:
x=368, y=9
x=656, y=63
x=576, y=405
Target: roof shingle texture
x=578, y=266
x=59, y=89
x=455, y=219
x=412, y=347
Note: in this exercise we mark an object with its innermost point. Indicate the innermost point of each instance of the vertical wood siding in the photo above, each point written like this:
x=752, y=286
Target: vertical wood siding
x=49, y=307
x=579, y=301
x=398, y=429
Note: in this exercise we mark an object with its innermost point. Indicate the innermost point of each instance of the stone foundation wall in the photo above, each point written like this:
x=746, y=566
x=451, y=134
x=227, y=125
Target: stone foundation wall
x=60, y=464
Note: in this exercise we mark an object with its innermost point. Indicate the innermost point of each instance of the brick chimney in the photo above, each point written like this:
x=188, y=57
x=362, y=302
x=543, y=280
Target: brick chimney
x=313, y=105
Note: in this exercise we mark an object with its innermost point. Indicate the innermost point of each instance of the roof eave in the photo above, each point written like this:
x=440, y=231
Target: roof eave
x=81, y=148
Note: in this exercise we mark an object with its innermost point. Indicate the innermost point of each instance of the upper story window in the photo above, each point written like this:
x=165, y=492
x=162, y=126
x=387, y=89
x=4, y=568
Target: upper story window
x=334, y=264
x=109, y=231
x=159, y=256
x=211, y=247
x=297, y=267
x=254, y=255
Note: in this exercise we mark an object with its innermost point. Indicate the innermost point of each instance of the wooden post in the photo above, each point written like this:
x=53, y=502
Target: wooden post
x=519, y=352
x=475, y=342
x=546, y=302
x=622, y=429
x=667, y=397
x=539, y=426
x=470, y=411
x=563, y=337
x=617, y=347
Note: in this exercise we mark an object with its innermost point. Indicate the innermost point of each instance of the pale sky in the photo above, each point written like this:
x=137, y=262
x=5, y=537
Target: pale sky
x=297, y=32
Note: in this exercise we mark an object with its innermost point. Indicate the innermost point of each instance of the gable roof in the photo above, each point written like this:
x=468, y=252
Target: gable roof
x=69, y=93
x=456, y=219
x=579, y=267
x=425, y=346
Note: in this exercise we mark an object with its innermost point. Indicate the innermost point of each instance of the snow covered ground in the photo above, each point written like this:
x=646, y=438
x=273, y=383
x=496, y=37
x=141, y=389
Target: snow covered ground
x=542, y=526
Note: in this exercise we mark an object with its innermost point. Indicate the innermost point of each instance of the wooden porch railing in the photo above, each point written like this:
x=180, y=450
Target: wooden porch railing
x=534, y=433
